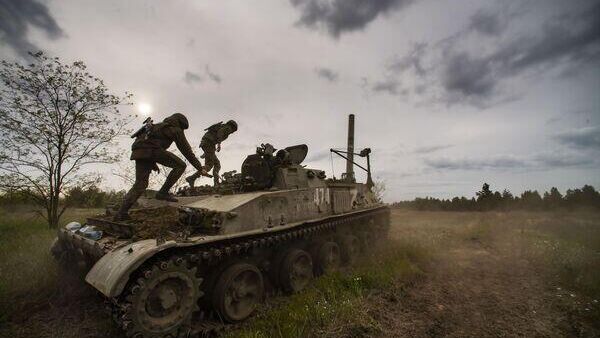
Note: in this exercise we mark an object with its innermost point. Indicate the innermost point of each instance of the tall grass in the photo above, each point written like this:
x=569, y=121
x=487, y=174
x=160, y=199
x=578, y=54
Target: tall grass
x=565, y=246
x=568, y=247
x=334, y=304
x=25, y=263
x=35, y=299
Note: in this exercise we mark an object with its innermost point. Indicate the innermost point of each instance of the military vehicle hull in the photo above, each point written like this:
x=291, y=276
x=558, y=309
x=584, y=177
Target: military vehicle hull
x=270, y=229
x=122, y=269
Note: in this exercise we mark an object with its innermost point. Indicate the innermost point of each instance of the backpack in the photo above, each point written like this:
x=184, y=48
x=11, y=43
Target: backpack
x=214, y=127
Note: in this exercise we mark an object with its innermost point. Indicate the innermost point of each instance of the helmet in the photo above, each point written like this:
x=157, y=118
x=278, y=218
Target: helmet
x=178, y=120
x=232, y=124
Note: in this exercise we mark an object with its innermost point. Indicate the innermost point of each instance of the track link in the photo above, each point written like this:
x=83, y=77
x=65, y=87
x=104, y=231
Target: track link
x=206, y=323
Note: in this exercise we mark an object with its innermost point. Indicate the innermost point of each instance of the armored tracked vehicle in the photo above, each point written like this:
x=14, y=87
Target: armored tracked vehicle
x=270, y=228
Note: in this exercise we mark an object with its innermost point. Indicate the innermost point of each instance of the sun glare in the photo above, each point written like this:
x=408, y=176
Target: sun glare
x=145, y=109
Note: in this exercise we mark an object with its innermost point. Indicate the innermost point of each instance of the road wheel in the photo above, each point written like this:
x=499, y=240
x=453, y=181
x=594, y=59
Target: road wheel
x=295, y=271
x=162, y=299
x=351, y=248
x=326, y=258
x=238, y=291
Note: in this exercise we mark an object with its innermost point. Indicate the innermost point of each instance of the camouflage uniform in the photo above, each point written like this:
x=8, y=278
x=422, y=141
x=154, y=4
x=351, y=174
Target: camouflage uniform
x=214, y=136
x=150, y=149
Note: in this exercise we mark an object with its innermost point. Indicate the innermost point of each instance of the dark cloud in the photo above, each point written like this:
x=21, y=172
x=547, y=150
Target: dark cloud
x=191, y=77
x=16, y=16
x=497, y=162
x=431, y=149
x=389, y=86
x=468, y=76
x=211, y=75
x=341, y=16
x=412, y=60
x=327, y=74
x=539, y=161
x=570, y=40
x=573, y=37
x=488, y=22
x=583, y=138
x=562, y=160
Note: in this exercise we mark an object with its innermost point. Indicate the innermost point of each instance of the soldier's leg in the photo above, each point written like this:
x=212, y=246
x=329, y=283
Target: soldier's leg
x=209, y=155
x=142, y=174
x=216, y=169
x=177, y=166
x=211, y=161
x=208, y=164
x=193, y=177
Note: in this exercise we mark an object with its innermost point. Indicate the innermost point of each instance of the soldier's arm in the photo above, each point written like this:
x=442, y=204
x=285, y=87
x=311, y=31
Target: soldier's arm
x=184, y=147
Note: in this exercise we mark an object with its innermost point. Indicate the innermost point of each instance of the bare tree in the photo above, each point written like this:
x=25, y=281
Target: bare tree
x=55, y=119
x=379, y=190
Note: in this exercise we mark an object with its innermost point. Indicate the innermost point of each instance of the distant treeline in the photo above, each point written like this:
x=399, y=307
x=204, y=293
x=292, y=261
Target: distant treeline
x=486, y=199
x=77, y=197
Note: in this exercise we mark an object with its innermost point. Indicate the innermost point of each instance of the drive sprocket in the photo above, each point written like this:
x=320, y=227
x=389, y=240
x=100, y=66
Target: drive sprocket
x=160, y=303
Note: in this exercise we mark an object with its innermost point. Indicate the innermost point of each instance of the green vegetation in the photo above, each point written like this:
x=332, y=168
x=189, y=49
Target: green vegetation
x=35, y=299
x=25, y=264
x=574, y=199
x=566, y=246
x=562, y=245
x=33, y=291
x=336, y=302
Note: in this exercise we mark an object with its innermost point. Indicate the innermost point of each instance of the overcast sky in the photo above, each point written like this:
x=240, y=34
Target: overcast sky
x=448, y=94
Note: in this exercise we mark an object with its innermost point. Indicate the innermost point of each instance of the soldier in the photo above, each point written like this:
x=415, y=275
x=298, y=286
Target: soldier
x=148, y=149
x=211, y=143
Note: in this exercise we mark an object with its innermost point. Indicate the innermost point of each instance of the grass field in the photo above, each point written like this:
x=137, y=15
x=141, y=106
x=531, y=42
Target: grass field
x=35, y=299
x=562, y=245
x=563, y=248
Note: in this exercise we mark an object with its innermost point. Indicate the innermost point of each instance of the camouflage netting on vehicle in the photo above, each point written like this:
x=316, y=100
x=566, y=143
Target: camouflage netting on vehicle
x=156, y=222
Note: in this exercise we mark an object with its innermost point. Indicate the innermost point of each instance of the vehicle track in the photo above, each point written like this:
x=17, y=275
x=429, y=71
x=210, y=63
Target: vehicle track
x=205, y=322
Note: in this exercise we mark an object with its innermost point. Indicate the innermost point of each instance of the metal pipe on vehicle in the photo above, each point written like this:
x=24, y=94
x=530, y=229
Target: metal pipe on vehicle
x=350, y=159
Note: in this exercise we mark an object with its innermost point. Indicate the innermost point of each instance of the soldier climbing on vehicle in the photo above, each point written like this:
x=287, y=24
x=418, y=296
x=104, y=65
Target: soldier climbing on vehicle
x=210, y=144
x=148, y=149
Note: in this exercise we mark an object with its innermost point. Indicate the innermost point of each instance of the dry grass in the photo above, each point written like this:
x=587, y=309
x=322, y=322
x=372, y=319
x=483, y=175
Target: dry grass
x=35, y=301
x=564, y=245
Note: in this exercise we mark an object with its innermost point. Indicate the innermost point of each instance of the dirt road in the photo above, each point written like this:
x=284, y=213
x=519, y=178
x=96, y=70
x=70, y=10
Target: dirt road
x=480, y=287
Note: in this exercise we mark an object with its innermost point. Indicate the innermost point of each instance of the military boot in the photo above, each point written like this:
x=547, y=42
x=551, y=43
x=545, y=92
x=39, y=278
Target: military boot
x=191, y=180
